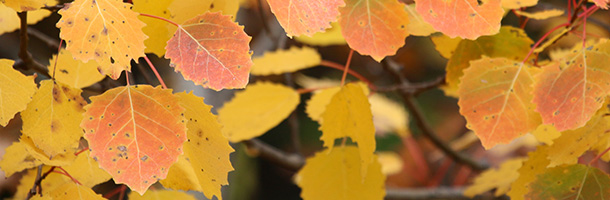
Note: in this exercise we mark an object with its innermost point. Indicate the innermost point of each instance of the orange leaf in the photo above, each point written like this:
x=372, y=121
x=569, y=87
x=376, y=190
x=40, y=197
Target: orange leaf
x=602, y=3
x=212, y=51
x=462, y=18
x=374, y=27
x=307, y=17
x=135, y=133
x=495, y=98
x=569, y=91
x=107, y=31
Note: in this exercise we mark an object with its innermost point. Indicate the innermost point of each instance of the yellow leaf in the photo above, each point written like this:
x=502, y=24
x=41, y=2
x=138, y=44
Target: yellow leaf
x=87, y=171
x=57, y=160
x=205, y=164
x=52, y=181
x=52, y=119
x=75, y=73
x=16, y=91
x=316, y=105
x=158, y=31
x=516, y=4
x=107, y=31
x=310, y=82
x=24, y=5
x=534, y=165
x=160, y=194
x=391, y=162
x=285, y=61
x=500, y=178
x=335, y=175
x=541, y=15
x=445, y=45
x=16, y=159
x=332, y=36
x=388, y=115
x=568, y=147
x=417, y=26
x=256, y=110
x=546, y=133
x=183, y=10
x=349, y=115
x=10, y=19
x=73, y=191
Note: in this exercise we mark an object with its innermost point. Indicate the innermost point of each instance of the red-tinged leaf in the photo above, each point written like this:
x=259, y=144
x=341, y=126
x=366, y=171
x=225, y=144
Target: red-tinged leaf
x=570, y=182
x=212, y=51
x=135, y=133
x=462, y=18
x=569, y=91
x=602, y=3
x=307, y=17
x=374, y=27
x=495, y=98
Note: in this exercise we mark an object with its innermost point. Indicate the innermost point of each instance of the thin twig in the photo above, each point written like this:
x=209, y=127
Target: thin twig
x=24, y=54
x=415, y=88
x=38, y=181
x=292, y=162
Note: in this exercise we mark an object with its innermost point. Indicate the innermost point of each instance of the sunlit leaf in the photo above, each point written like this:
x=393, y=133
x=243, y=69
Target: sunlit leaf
x=212, y=51
x=570, y=182
x=74, y=73
x=569, y=91
x=540, y=15
x=536, y=164
x=256, y=110
x=135, y=133
x=16, y=91
x=500, y=178
x=285, y=61
x=374, y=27
x=205, y=164
x=161, y=194
x=462, y=18
x=332, y=36
x=495, y=98
x=52, y=119
x=87, y=171
x=336, y=174
x=318, y=102
x=299, y=17
x=107, y=31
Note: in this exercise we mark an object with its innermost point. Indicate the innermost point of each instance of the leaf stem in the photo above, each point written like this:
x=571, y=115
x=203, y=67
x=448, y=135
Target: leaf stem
x=155, y=71
x=338, y=66
x=65, y=173
x=24, y=54
x=55, y=64
x=349, y=60
x=115, y=191
x=161, y=18
x=37, y=188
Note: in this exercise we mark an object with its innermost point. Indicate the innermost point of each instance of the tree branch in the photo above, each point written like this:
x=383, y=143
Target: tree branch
x=27, y=61
x=292, y=162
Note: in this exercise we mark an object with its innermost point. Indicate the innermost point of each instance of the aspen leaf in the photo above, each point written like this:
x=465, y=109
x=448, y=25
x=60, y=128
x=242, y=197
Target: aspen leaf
x=445, y=45
x=74, y=73
x=568, y=147
x=316, y=105
x=534, y=165
x=285, y=61
x=206, y=152
x=256, y=110
x=462, y=18
x=161, y=194
x=495, y=98
x=349, y=115
x=51, y=119
x=71, y=190
x=24, y=5
x=52, y=181
x=388, y=115
x=510, y=43
x=299, y=17
x=569, y=91
x=158, y=31
x=135, y=133
x=374, y=27
x=332, y=36
x=57, y=160
x=315, y=83
x=546, y=133
x=107, y=31
x=16, y=91
x=10, y=20
x=516, y=4
x=541, y=15
x=87, y=171
x=602, y=3
x=571, y=182
x=16, y=159
x=183, y=10
x=212, y=51
x=391, y=163
x=500, y=178
x=417, y=25
x=335, y=174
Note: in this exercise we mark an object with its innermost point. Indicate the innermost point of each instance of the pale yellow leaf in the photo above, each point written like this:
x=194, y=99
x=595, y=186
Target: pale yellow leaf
x=335, y=174
x=71, y=190
x=158, y=31
x=417, y=26
x=500, y=178
x=256, y=110
x=349, y=115
x=10, y=19
x=332, y=36
x=388, y=115
x=75, y=73
x=541, y=15
x=516, y=4
x=285, y=61
x=205, y=164
x=534, y=165
x=52, y=119
x=316, y=105
x=314, y=83
x=160, y=195
x=391, y=162
x=16, y=159
x=16, y=91
x=25, y=5
x=87, y=171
